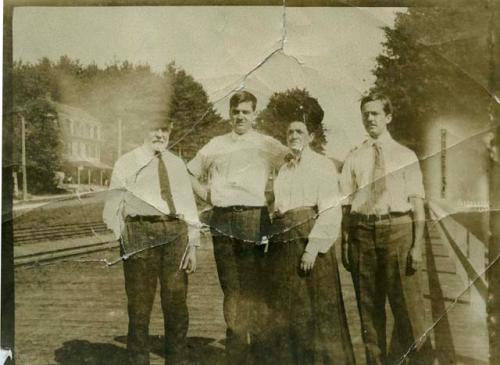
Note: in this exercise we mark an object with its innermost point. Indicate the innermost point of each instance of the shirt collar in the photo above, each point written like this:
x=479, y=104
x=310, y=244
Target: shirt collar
x=145, y=154
x=242, y=137
x=383, y=139
x=303, y=158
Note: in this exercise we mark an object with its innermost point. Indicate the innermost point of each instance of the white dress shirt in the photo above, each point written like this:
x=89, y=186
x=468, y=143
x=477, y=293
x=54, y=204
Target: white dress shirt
x=135, y=190
x=312, y=182
x=237, y=167
x=403, y=177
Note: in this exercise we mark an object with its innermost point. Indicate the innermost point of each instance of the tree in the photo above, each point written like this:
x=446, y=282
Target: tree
x=133, y=94
x=194, y=117
x=31, y=85
x=43, y=146
x=431, y=56
x=293, y=105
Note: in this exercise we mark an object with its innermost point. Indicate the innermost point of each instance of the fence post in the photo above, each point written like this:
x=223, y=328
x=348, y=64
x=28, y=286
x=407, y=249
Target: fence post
x=494, y=192
x=493, y=274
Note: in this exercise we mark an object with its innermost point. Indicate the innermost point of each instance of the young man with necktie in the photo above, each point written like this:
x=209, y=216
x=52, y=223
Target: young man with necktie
x=151, y=209
x=383, y=236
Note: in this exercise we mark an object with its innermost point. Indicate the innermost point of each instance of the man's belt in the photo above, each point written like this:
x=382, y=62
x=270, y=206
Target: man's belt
x=152, y=218
x=236, y=208
x=371, y=218
x=279, y=215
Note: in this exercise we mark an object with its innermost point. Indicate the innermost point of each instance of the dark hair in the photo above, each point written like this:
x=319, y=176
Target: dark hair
x=242, y=97
x=309, y=127
x=374, y=96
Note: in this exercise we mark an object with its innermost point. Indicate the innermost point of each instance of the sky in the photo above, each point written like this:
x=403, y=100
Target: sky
x=328, y=51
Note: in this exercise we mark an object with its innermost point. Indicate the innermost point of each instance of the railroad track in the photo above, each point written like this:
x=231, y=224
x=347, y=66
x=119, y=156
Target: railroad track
x=28, y=235
x=43, y=244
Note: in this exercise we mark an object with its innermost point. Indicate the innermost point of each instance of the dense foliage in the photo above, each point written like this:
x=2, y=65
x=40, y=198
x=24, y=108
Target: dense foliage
x=436, y=60
x=120, y=93
x=293, y=105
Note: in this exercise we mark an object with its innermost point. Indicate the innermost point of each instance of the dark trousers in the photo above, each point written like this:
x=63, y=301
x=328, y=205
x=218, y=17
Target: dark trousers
x=236, y=233
x=378, y=254
x=308, y=324
x=142, y=271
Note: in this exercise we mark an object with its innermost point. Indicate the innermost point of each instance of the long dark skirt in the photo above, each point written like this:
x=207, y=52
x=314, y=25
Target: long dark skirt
x=308, y=325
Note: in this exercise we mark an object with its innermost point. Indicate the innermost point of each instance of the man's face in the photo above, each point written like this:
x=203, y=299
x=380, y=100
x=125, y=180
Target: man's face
x=242, y=117
x=374, y=118
x=297, y=136
x=157, y=137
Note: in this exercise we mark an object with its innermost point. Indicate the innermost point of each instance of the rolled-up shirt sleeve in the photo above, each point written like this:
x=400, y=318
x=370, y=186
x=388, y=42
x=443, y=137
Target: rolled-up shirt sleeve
x=326, y=229
x=276, y=151
x=189, y=208
x=198, y=166
x=113, y=208
x=347, y=181
x=414, y=185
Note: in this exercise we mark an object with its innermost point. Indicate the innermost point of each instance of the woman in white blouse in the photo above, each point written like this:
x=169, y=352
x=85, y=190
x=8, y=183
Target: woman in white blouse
x=309, y=324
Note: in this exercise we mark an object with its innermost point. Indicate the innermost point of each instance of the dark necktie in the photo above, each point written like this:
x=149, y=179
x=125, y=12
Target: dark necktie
x=292, y=160
x=165, y=191
x=378, y=175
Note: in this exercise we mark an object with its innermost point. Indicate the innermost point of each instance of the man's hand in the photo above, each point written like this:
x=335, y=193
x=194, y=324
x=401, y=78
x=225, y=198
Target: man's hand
x=307, y=262
x=189, y=263
x=345, y=252
x=414, y=259
x=344, y=236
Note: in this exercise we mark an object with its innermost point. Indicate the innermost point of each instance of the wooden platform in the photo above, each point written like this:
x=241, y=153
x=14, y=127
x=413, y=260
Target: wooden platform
x=73, y=312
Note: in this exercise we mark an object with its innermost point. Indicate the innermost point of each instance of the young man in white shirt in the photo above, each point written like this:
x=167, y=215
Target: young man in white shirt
x=383, y=236
x=308, y=321
x=231, y=173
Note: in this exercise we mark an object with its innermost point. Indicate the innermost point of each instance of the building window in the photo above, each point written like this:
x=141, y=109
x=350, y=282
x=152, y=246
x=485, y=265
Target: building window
x=75, y=149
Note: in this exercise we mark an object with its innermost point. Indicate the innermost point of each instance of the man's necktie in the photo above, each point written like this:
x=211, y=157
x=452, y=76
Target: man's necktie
x=378, y=175
x=166, y=192
x=292, y=160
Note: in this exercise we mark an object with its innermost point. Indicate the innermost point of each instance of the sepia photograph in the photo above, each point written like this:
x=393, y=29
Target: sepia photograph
x=250, y=182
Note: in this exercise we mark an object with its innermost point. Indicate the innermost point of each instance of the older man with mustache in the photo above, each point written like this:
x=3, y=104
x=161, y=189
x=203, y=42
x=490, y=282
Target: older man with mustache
x=152, y=211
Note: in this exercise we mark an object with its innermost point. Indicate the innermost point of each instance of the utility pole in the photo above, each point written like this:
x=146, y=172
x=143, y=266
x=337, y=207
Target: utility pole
x=89, y=177
x=78, y=169
x=23, y=157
